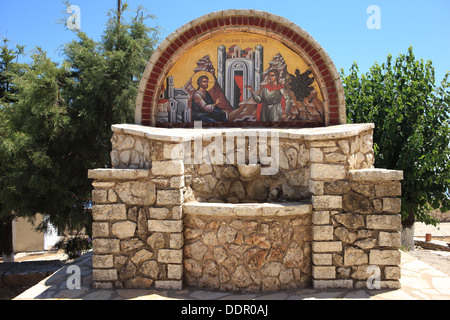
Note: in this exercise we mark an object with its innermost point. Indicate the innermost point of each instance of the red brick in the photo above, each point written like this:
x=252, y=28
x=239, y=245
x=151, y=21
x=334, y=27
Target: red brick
x=322, y=67
x=178, y=42
x=262, y=23
x=320, y=62
x=332, y=96
x=145, y=122
x=147, y=98
x=274, y=26
x=329, y=84
x=204, y=27
x=233, y=21
x=240, y=21
x=333, y=102
x=334, y=121
x=146, y=106
x=215, y=23
x=159, y=64
x=331, y=90
x=166, y=55
x=289, y=34
x=198, y=30
x=334, y=109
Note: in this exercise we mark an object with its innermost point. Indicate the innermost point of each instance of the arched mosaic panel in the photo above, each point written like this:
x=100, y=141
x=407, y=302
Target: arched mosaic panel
x=240, y=68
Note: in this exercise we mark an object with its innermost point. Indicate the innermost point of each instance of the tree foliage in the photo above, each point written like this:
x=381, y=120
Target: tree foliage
x=412, y=133
x=58, y=126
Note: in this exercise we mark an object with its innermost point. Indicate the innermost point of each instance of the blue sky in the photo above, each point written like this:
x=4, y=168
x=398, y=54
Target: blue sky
x=338, y=25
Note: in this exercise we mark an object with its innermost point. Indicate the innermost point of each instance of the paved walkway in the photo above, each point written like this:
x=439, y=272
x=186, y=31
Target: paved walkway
x=419, y=282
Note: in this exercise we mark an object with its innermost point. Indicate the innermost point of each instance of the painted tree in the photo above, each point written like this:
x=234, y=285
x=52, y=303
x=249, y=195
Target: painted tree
x=59, y=127
x=412, y=133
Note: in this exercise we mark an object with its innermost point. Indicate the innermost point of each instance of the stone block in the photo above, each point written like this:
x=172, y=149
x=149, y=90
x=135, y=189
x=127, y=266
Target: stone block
x=118, y=174
x=384, y=222
x=109, y=212
x=176, y=241
x=136, y=192
x=123, y=229
x=377, y=175
x=392, y=205
x=350, y=220
x=326, y=202
x=177, y=212
x=327, y=246
x=105, y=246
x=324, y=232
x=316, y=187
x=169, y=197
x=384, y=257
x=354, y=256
x=175, y=271
x=315, y=155
x=321, y=217
x=168, y=168
x=392, y=273
x=332, y=284
x=169, y=284
x=389, y=239
x=159, y=213
x=100, y=229
x=100, y=196
x=102, y=261
x=104, y=274
x=322, y=259
x=324, y=272
x=327, y=171
x=388, y=189
x=170, y=256
x=173, y=151
x=165, y=226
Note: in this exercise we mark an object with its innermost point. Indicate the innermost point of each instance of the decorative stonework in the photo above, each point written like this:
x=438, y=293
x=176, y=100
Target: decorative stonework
x=247, y=21
x=258, y=207
x=325, y=217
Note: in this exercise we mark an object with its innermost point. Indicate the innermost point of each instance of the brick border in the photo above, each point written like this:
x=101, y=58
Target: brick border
x=254, y=21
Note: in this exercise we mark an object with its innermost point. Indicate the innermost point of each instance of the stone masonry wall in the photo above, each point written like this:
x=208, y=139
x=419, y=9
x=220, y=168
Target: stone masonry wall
x=144, y=233
x=249, y=248
x=356, y=230
x=138, y=227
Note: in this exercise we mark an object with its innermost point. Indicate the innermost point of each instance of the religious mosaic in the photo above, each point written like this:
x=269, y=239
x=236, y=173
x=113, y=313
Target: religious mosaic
x=240, y=77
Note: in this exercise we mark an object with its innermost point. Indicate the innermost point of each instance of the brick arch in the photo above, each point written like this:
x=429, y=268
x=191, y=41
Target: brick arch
x=253, y=21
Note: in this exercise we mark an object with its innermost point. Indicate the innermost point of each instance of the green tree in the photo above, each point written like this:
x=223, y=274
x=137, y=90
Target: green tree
x=8, y=68
x=59, y=127
x=412, y=133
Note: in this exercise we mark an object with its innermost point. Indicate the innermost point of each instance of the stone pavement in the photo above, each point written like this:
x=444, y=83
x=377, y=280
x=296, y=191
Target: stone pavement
x=419, y=282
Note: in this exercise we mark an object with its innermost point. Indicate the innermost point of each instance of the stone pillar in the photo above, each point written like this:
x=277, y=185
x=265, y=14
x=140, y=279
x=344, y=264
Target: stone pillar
x=356, y=224
x=137, y=227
